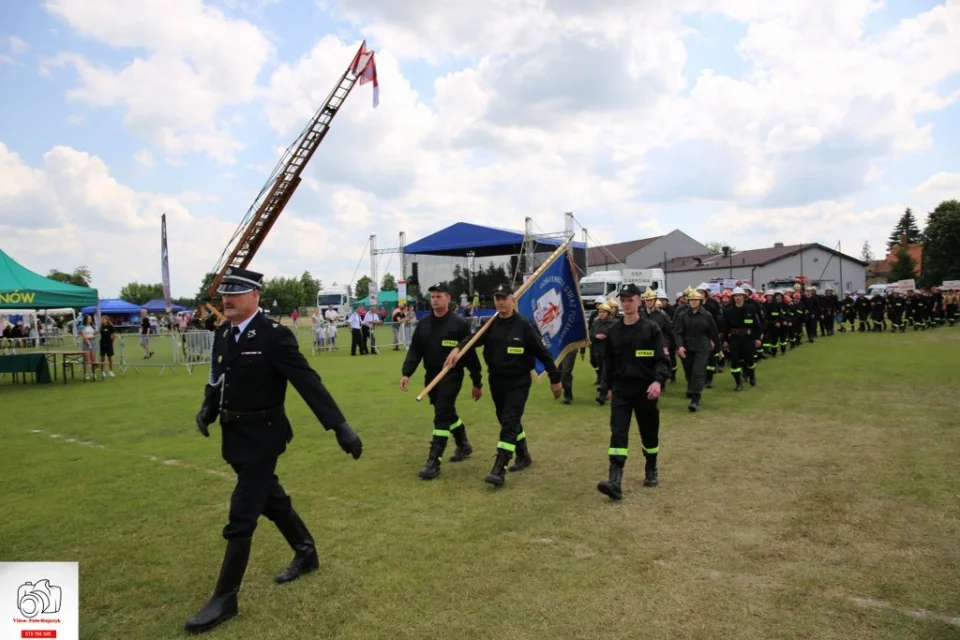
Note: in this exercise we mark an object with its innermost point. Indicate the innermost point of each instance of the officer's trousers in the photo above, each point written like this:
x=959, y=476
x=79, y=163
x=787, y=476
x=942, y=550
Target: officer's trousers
x=811, y=327
x=566, y=371
x=258, y=492
x=630, y=399
x=510, y=399
x=443, y=397
x=695, y=369
x=357, y=342
x=896, y=320
x=742, y=349
x=771, y=338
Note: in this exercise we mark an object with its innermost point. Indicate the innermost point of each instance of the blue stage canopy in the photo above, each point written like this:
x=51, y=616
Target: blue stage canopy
x=158, y=306
x=113, y=306
x=463, y=237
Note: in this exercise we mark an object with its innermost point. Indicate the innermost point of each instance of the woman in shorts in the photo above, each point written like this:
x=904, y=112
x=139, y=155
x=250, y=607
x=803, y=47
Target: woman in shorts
x=88, y=345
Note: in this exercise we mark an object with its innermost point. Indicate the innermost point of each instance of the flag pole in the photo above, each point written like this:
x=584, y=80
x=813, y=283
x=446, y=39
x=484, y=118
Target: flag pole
x=519, y=292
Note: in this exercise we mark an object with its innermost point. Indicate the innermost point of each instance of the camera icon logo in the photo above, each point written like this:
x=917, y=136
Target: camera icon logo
x=34, y=599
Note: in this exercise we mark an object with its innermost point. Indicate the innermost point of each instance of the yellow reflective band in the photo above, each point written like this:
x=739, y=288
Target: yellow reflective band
x=748, y=321
x=523, y=434
x=506, y=446
x=644, y=353
x=654, y=450
x=612, y=451
x=441, y=433
x=448, y=343
x=515, y=350
x=456, y=425
x=736, y=370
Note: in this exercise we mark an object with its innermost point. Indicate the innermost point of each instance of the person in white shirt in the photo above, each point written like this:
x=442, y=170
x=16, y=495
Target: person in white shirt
x=333, y=319
x=370, y=322
x=356, y=334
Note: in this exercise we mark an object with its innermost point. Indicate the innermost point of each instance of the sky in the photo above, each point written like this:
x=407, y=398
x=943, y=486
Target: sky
x=743, y=121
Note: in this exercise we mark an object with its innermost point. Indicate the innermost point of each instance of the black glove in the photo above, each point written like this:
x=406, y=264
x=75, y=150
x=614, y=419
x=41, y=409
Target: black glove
x=208, y=411
x=348, y=440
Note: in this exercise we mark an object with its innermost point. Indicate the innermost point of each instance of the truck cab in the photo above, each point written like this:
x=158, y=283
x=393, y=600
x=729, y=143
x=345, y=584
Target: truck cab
x=339, y=298
x=598, y=287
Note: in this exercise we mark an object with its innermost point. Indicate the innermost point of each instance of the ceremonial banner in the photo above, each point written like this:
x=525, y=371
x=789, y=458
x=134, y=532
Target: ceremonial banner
x=165, y=263
x=553, y=303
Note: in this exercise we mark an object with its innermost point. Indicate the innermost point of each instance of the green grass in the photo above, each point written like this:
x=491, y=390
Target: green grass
x=825, y=503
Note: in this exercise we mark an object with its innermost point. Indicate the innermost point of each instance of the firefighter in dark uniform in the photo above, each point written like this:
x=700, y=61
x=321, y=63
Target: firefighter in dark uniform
x=636, y=368
x=951, y=303
x=510, y=346
x=253, y=359
x=697, y=337
x=938, y=314
x=598, y=344
x=811, y=302
x=650, y=312
x=771, y=327
x=743, y=338
x=710, y=305
x=784, y=323
x=895, y=312
x=831, y=308
x=849, y=313
x=877, y=308
x=433, y=339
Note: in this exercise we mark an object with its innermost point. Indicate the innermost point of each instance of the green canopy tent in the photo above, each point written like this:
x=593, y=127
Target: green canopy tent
x=386, y=300
x=21, y=288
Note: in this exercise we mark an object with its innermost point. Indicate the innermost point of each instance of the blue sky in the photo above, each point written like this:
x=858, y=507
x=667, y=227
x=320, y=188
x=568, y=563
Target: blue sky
x=714, y=125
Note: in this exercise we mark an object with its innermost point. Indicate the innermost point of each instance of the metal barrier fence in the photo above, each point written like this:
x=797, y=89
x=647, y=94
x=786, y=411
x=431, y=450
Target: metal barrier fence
x=330, y=338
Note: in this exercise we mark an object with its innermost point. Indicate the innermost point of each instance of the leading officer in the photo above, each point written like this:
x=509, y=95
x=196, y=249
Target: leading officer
x=509, y=349
x=434, y=338
x=253, y=359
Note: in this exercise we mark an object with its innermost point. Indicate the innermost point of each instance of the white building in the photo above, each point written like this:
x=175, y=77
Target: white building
x=773, y=267
x=642, y=254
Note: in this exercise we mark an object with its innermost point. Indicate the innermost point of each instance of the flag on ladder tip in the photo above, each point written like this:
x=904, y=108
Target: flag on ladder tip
x=365, y=67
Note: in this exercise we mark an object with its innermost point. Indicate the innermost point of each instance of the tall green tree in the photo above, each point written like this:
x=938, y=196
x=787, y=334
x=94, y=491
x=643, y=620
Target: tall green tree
x=718, y=245
x=81, y=276
x=905, y=268
x=866, y=253
x=202, y=294
x=286, y=292
x=389, y=282
x=362, y=290
x=906, y=226
x=941, y=244
x=138, y=293
x=310, y=288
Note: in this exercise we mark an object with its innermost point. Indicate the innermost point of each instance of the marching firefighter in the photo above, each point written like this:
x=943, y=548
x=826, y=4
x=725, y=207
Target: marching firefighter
x=635, y=369
x=433, y=339
x=849, y=312
x=951, y=301
x=811, y=302
x=862, y=306
x=783, y=326
x=799, y=316
x=877, y=307
x=743, y=337
x=652, y=312
x=252, y=361
x=711, y=306
x=771, y=327
x=510, y=346
x=895, y=312
x=598, y=341
x=831, y=307
x=697, y=337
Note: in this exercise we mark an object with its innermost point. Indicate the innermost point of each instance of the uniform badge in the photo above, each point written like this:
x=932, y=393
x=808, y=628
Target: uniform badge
x=251, y=333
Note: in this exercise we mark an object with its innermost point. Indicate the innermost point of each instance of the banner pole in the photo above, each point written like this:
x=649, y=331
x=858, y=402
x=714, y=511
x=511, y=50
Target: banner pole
x=519, y=292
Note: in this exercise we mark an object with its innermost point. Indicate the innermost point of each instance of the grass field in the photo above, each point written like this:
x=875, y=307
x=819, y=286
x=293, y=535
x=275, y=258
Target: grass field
x=824, y=503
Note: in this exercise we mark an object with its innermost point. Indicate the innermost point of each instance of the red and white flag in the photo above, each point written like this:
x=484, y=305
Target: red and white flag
x=365, y=67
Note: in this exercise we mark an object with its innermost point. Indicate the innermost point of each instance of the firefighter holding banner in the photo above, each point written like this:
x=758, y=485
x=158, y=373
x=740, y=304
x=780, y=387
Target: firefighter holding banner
x=510, y=346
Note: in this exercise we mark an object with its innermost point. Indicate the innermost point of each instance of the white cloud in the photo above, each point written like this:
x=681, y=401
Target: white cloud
x=13, y=46
x=199, y=62
x=941, y=186
x=16, y=44
x=143, y=157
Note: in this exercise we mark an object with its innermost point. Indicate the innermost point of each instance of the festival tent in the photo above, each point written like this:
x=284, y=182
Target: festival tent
x=462, y=238
x=114, y=307
x=159, y=306
x=21, y=288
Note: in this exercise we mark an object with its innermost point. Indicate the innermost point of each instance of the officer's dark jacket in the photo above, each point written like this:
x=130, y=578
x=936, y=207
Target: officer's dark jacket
x=895, y=305
x=757, y=308
x=772, y=311
x=636, y=354
x=433, y=340
x=737, y=318
x=811, y=304
x=255, y=373
x=711, y=305
x=659, y=318
x=600, y=326
x=695, y=330
x=848, y=305
x=862, y=305
x=831, y=304
x=510, y=347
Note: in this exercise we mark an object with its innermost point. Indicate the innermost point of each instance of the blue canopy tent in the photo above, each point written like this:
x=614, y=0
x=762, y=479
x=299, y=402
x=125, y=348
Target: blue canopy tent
x=159, y=306
x=463, y=238
x=113, y=307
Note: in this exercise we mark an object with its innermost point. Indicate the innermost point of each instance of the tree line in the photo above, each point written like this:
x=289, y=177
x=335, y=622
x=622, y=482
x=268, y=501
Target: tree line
x=940, y=242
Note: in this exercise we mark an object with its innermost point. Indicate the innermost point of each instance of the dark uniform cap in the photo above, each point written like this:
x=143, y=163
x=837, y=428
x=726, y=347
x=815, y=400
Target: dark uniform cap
x=630, y=290
x=502, y=291
x=236, y=281
x=441, y=287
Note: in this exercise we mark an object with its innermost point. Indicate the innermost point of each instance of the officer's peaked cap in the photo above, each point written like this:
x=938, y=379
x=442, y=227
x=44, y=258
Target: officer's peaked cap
x=236, y=281
x=502, y=291
x=629, y=290
x=440, y=286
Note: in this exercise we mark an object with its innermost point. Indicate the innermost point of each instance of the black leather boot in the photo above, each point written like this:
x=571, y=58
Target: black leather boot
x=650, y=470
x=464, y=450
x=432, y=468
x=695, y=403
x=305, y=557
x=223, y=604
x=739, y=380
x=752, y=373
x=496, y=475
x=523, y=459
x=612, y=487
x=567, y=395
